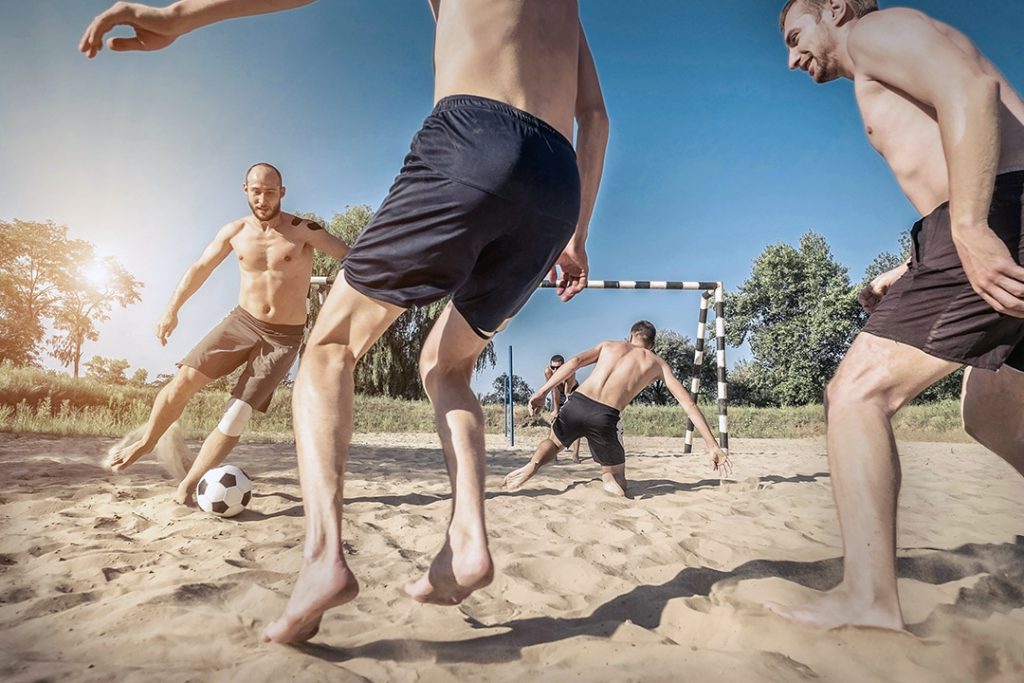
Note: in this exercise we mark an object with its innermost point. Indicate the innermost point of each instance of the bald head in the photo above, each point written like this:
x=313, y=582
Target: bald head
x=264, y=190
x=264, y=172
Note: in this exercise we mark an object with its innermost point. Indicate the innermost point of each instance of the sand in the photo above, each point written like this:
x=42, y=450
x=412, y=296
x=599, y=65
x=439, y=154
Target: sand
x=103, y=577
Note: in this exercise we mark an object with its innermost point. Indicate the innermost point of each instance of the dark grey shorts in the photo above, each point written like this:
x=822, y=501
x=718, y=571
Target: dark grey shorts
x=933, y=307
x=267, y=350
x=486, y=201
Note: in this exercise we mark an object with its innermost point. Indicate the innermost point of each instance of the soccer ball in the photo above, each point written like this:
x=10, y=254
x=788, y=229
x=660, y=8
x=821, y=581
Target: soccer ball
x=225, y=491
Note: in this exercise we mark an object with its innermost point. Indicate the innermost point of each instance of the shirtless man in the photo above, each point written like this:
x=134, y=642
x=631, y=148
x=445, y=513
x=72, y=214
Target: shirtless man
x=952, y=131
x=559, y=394
x=264, y=332
x=623, y=370
x=490, y=198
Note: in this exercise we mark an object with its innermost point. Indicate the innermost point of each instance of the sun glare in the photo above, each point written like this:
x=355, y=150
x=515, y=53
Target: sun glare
x=97, y=273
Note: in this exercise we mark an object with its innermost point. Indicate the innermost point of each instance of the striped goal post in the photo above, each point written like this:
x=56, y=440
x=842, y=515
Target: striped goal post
x=710, y=290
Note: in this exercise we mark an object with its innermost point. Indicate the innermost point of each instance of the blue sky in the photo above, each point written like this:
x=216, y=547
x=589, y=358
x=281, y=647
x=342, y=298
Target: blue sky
x=716, y=149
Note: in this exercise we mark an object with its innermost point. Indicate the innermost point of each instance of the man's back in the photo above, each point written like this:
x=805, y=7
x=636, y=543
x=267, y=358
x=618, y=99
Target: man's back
x=621, y=372
x=521, y=52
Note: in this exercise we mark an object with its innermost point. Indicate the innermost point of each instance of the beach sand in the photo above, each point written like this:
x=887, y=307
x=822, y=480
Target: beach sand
x=103, y=577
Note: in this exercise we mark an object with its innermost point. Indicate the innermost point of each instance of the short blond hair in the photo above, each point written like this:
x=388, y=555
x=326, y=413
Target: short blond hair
x=859, y=7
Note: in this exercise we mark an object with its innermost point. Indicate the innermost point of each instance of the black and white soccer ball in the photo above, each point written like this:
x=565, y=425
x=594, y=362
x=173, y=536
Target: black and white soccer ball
x=225, y=491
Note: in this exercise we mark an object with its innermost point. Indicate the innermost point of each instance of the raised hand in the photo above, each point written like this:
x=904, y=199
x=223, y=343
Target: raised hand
x=155, y=28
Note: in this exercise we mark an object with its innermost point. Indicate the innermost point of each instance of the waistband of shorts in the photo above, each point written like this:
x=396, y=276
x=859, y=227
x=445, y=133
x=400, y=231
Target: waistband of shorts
x=1010, y=177
x=583, y=397
x=454, y=102
x=268, y=328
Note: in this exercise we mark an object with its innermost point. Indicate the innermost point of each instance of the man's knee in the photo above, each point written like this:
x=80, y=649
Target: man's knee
x=329, y=357
x=235, y=418
x=438, y=373
x=186, y=383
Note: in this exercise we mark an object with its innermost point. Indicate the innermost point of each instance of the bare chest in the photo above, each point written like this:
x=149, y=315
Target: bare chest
x=901, y=129
x=272, y=251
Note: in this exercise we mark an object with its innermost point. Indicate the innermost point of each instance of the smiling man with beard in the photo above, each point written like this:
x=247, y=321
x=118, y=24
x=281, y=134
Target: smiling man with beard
x=951, y=128
x=264, y=332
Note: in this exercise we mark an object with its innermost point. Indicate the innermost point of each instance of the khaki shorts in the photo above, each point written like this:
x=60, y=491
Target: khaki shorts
x=267, y=350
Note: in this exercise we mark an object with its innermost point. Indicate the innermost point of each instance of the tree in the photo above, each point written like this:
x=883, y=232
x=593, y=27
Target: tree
x=521, y=391
x=108, y=370
x=800, y=314
x=86, y=300
x=391, y=367
x=139, y=377
x=35, y=265
x=677, y=350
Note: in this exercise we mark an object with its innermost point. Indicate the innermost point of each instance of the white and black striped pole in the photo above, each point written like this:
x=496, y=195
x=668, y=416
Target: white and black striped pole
x=723, y=385
x=698, y=362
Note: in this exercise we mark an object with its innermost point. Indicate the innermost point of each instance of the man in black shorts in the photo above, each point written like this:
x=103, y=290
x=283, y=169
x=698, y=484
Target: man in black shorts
x=594, y=410
x=490, y=198
x=559, y=393
x=952, y=129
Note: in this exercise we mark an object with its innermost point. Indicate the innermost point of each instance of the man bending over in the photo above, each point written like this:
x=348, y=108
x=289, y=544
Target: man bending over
x=623, y=370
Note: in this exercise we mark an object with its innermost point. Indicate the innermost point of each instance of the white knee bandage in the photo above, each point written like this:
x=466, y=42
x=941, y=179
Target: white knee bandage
x=235, y=418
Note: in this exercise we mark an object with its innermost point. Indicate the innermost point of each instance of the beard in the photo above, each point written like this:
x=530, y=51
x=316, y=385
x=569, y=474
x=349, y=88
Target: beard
x=266, y=213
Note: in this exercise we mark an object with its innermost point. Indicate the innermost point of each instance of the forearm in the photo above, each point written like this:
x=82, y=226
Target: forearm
x=591, y=143
x=971, y=140
x=189, y=15
x=567, y=369
x=190, y=283
x=697, y=418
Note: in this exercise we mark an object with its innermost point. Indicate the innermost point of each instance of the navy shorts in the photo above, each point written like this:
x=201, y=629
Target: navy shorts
x=600, y=423
x=486, y=201
x=933, y=307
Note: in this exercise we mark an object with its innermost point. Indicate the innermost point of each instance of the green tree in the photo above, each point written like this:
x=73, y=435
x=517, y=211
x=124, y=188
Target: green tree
x=139, y=378
x=107, y=370
x=35, y=265
x=391, y=367
x=86, y=300
x=521, y=391
x=800, y=314
x=677, y=350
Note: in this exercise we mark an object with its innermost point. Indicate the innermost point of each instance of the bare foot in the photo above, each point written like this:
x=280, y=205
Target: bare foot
x=321, y=585
x=612, y=484
x=837, y=608
x=120, y=457
x=183, y=496
x=453, y=576
x=513, y=480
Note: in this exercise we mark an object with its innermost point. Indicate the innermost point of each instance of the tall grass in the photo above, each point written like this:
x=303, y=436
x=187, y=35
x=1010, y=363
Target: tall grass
x=33, y=400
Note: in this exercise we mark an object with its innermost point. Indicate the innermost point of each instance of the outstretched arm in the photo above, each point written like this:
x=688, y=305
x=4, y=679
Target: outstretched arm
x=324, y=241
x=158, y=27
x=568, y=368
x=719, y=458
x=906, y=51
x=591, y=142
x=194, y=278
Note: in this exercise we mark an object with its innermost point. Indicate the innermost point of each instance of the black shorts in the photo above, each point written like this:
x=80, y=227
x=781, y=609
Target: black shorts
x=485, y=203
x=933, y=307
x=601, y=424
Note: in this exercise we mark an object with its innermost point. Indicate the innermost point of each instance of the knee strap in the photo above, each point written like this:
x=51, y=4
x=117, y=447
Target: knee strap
x=235, y=418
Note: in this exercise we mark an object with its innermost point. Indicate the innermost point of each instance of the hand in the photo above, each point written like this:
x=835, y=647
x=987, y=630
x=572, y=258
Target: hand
x=991, y=270
x=875, y=291
x=154, y=29
x=720, y=462
x=573, y=263
x=166, y=326
x=536, y=403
